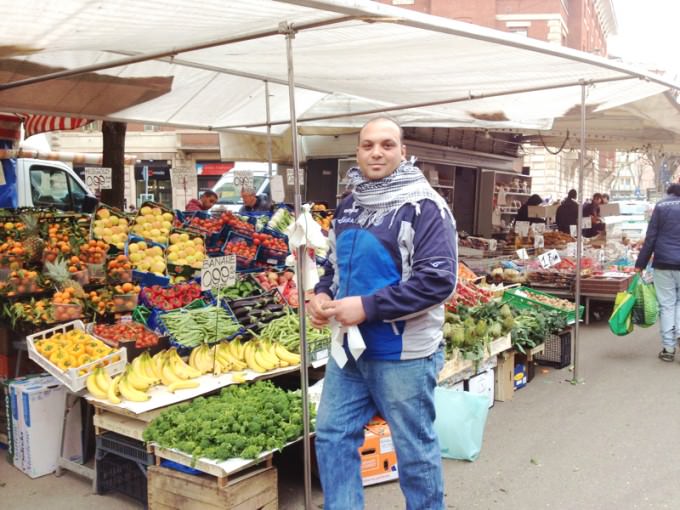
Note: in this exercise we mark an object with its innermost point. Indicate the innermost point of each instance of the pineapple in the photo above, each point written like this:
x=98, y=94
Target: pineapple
x=33, y=243
x=58, y=272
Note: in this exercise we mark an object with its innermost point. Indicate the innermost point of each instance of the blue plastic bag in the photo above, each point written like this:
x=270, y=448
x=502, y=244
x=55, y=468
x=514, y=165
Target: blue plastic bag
x=461, y=417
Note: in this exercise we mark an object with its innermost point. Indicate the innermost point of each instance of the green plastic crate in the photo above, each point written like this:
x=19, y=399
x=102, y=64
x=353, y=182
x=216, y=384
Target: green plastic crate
x=511, y=296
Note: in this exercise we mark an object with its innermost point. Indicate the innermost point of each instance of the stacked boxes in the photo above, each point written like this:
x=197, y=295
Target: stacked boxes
x=378, y=458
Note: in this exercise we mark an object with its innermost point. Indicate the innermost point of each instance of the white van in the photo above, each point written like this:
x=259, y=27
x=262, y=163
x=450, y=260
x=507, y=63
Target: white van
x=52, y=184
x=228, y=197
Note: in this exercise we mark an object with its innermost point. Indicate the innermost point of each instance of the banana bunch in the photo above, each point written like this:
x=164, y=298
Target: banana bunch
x=263, y=356
x=173, y=372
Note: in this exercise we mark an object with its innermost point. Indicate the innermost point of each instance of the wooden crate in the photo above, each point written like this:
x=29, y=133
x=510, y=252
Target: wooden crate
x=122, y=421
x=256, y=489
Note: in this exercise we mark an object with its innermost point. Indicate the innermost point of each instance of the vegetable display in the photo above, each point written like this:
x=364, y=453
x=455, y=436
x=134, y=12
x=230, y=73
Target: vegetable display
x=243, y=421
x=190, y=328
x=243, y=288
x=281, y=220
x=170, y=298
x=286, y=331
x=532, y=326
x=254, y=313
x=113, y=334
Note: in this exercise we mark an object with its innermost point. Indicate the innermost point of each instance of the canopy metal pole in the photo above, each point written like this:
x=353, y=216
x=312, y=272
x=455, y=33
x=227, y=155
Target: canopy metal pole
x=579, y=233
x=301, y=253
x=269, y=130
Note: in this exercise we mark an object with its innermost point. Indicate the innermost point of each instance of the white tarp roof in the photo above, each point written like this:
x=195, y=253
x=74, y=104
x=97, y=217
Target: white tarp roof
x=377, y=56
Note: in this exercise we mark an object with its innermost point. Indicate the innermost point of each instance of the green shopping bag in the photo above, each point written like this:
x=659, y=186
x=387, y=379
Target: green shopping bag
x=621, y=319
x=646, y=309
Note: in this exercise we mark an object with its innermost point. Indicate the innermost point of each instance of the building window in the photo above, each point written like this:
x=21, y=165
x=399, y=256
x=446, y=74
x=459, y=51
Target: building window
x=520, y=31
x=151, y=127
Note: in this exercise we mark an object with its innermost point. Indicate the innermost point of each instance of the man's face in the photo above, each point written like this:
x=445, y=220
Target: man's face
x=249, y=199
x=208, y=201
x=380, y=150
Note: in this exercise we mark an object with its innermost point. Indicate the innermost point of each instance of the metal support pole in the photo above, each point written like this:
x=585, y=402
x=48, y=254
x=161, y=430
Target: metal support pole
x=301, y=253
x=269, y=129
x=579, y=234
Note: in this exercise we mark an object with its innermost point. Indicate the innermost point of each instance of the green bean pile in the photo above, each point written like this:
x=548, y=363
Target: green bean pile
x=191, y=328
x=286, y=331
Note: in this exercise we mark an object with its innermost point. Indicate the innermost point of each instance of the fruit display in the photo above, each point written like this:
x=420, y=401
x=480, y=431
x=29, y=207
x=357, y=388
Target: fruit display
x=145, y=257
x=468, y=294
x=185, y=250
x=93, y=252
x=191, y=328
x=12, y=254
x=119, y=269
x=241, y=249
x=111, y=227
x=99, y=301
x=283, y=281
x=59, y=242
x=323, y=216
x=243, y=421
x=153, y=223
x=72, y=349
x=122, y=332
x=555, y=302
x=171, y=298
x=245, y=287
x=35, y=312
x=125, y=297
x=22, y=281
x=270, y=242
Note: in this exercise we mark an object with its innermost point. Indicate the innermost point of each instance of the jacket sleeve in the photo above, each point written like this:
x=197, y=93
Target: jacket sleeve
x=192, y=205
x=433, y=272
x=650, y=241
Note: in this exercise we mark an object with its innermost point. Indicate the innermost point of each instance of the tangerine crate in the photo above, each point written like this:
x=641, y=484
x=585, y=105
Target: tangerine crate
x=74, y=378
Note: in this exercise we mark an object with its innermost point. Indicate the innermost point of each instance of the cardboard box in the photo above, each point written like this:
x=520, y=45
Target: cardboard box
x=543, y=211
x=378, y=458
x=37, y=406
x=505, y=376
x=482, y=384
x=610, y=210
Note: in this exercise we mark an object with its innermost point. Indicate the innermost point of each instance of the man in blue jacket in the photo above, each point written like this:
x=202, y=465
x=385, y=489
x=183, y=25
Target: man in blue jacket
x=663, y=240
x=392, y=265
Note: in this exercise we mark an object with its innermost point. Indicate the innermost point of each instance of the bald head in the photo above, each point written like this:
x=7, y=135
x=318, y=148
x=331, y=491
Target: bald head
x=383, y=120
x=380, y=150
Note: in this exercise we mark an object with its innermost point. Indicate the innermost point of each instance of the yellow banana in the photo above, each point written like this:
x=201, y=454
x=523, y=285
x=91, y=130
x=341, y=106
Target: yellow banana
x=192, y=357
x=135, y=380
x=285, y=355
x=236, y=364
x=264, y=363
x=182, y=369
x=140, y=372
x=148, y=368
x=272, y=359
x=103, y=379
x=240, y=347
x=130, y=393
x=238, y=377
x=158, y=362
x=204, y=359
x=167, y=375
x=112, y=394
x=180, y=385
x=92, y=385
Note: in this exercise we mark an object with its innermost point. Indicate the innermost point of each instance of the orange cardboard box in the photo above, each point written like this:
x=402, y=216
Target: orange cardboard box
x=378, y=458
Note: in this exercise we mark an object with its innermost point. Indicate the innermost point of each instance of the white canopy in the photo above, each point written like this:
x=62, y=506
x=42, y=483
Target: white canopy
x=349, y=56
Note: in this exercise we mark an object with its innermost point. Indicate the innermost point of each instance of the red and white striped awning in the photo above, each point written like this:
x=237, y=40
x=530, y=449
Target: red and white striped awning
x=10, y=124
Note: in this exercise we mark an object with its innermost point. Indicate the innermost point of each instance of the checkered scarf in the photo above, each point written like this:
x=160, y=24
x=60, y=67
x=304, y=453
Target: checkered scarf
x=406, y=185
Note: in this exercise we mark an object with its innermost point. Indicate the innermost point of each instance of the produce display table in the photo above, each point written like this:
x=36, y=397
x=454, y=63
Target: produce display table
x=586, y=296
x=459, y=367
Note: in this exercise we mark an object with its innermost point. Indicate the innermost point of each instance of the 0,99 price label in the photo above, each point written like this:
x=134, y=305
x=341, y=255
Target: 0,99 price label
x=218, y=272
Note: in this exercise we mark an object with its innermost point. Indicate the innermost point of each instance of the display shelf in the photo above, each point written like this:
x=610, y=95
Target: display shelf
x=161, y=397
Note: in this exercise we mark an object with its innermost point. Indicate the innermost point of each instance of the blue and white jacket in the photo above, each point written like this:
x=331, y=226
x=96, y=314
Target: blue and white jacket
x=663, y=236
x=404, y=274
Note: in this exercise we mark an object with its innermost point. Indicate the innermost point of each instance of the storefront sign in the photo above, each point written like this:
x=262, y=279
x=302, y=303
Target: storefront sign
x=549, y=258
x=98, y=178
x=218, y=272
x=243, y=179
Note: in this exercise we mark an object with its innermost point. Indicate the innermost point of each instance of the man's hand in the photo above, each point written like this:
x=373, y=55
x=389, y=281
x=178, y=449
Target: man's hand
x=317, y=314
x=348, y=311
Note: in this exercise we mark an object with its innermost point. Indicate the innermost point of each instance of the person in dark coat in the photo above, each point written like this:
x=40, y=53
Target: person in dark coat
x=523, y=211
x=567, y=213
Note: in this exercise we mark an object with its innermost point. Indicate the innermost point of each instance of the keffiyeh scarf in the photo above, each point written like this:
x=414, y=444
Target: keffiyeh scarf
x=406, y=185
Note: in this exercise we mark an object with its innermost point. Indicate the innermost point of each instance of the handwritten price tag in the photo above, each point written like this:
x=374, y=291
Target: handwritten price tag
x=98, y=178
x=243, y=179
x=522, y=228
x=549, y=258
x=522, y=254
x=218, y=272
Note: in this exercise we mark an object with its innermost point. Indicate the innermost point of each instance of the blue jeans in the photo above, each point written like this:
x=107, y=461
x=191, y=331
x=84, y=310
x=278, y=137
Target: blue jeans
x=402, y=392
x=667, y=285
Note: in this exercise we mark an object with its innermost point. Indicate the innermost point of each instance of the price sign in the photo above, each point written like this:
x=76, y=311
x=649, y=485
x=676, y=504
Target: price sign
x=277, y=190
x=586, y=223
x=538, y=228
x=243, y=179
x=549, y=258
x=539, y=242
x=290, y=177
x=573, y=230
x=522, y=254
x=218, y=272
x=522, y=228
x=98, y=178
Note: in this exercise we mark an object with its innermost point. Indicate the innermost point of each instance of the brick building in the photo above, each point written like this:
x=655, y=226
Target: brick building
x=579, y=24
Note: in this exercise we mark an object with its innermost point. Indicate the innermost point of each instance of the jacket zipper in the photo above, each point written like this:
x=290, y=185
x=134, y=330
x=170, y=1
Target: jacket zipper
x=349, y=265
